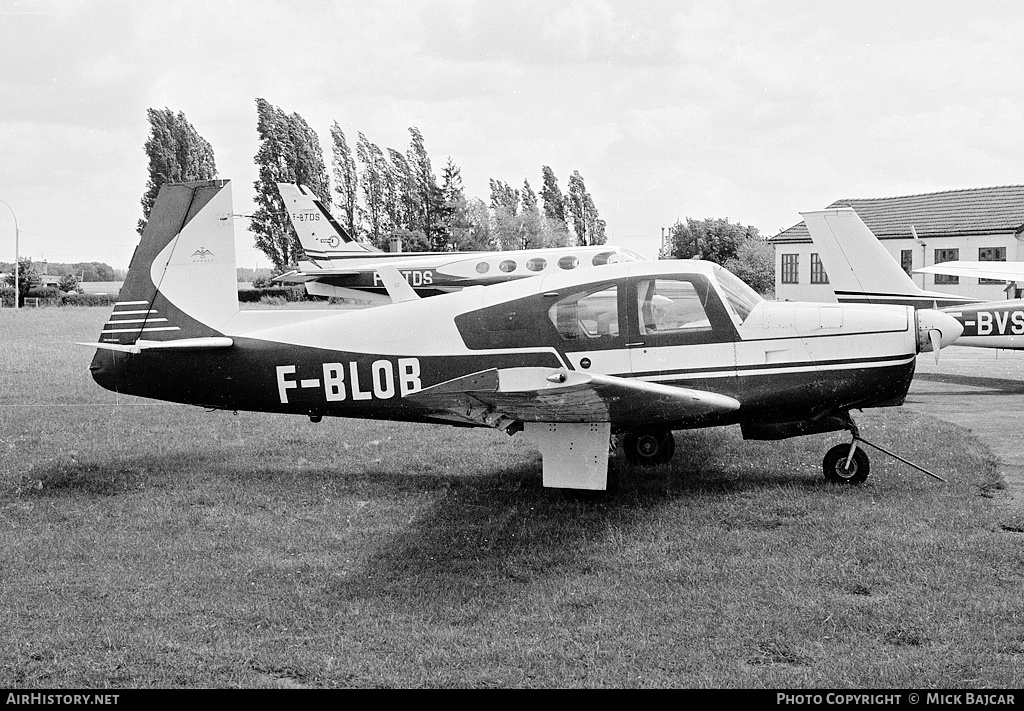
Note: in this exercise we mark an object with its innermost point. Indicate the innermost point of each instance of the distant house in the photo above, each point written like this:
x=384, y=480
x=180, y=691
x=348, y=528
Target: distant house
x=979, y=224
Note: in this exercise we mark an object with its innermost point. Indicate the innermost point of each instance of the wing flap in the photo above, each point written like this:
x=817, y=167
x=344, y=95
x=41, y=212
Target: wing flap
x=499, y=397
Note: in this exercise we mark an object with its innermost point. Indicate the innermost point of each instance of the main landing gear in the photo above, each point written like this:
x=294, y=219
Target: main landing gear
x=648, y=446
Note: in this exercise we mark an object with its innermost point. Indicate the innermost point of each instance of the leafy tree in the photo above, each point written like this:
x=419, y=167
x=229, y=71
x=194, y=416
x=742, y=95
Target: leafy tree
x=713, y=239
x=551, y=194
x=401, y=194
x=531, y=224
x=176, y=153
x=754, y=263
x=456, y=214
x=504, y=197
x=479, y=237
x=740, y=249
x=374, y=183
x=28, y=278
x=68, y=282
x=346, y=179
x=586, y=223
x=289, y=153
x=427, y=197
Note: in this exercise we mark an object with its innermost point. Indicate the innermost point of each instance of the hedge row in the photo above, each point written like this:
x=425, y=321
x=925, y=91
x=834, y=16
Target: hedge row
x=287, y=293
x=55, y=297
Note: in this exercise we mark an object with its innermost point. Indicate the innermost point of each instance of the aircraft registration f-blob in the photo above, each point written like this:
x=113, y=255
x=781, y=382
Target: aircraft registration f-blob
x=635, y=350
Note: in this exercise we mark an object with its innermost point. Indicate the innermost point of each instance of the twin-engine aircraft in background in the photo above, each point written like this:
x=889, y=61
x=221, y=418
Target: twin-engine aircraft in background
x=861, y=270
x=569, y=358
x=337, y=265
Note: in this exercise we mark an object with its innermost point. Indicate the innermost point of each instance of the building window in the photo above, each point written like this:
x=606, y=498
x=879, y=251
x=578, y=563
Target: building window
x=946, y=255
x=991, y=254
x=818, y=275
x=907, y=261
x=790, y=268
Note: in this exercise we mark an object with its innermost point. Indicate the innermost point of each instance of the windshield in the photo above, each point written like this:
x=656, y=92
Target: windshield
x=741, y=297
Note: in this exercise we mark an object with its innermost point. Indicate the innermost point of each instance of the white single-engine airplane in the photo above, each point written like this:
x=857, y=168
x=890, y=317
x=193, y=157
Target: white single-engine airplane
x=636, y=349
x=337, y=265
x=860, y=270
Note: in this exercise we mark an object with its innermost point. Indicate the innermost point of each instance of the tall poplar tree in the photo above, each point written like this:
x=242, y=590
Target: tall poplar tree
x=373, y=179
x=176, y=153
x=586, y=223
x=346, y=179
x=551, y=194
x=427, y=196
x=289, y=152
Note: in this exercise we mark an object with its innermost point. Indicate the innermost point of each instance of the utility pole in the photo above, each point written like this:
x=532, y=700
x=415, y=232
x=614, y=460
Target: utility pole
x=17, y=256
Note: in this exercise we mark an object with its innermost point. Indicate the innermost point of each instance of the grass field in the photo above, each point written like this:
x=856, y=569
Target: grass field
x=147, y=544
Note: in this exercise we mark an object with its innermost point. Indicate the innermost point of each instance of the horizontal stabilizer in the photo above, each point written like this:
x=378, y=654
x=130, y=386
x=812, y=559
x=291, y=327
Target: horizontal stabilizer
x=184, y=344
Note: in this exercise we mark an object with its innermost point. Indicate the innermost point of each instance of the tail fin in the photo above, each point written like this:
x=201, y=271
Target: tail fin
x=860, y=269
x=182, y=281
x=320, y=235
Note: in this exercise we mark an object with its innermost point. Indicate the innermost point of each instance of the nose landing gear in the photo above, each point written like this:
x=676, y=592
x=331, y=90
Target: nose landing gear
x=848, y=463
x=841, y=466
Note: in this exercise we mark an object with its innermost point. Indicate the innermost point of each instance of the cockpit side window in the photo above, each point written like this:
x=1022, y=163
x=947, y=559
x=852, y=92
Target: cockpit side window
x=681, y=310
x=671, y=305
x=590, y=314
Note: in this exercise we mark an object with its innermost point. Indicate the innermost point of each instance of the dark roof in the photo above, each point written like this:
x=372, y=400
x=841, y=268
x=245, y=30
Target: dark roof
x=946, y=214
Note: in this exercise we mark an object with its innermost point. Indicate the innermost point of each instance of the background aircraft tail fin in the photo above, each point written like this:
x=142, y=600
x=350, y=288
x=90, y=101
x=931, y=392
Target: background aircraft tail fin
x=857, y=264
x=319, y=233
x=182, y=281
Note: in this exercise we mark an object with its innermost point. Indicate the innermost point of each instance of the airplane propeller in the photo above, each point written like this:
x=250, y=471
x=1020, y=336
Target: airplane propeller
x=935, y=336
x=936, y=330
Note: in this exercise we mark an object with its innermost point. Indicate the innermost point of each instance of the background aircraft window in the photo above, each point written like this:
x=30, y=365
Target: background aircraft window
x=483, y=268
x=604, y=258
x=508, y=265
x=537, y=264
x=672, y=306
x=568, y=262
x=587, y=315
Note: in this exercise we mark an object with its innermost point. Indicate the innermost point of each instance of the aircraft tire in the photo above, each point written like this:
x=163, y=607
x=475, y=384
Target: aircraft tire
x=834, y=465
x=649, y=447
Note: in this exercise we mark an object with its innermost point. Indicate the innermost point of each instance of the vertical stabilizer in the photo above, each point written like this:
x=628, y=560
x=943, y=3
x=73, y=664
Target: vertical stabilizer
x=182, y=281
x=320, y=235
x=859, y=268
x=856, y=262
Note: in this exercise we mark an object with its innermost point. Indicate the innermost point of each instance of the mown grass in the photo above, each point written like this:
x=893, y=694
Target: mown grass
x=148, y=544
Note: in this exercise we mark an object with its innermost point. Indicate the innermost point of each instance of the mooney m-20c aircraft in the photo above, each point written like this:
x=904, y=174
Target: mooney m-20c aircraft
x=861, y=270
x=636, y=349
x=337, y=265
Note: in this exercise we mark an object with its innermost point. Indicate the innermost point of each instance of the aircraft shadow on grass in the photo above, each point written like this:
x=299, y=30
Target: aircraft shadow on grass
x=992, y=386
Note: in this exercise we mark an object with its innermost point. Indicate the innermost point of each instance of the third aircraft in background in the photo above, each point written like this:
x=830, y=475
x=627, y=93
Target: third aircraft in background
x=861, y=270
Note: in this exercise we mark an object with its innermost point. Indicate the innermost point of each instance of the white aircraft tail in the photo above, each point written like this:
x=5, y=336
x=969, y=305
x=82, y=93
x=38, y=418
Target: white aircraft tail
x=181, y=282
x=860, y=270
x=320, y=235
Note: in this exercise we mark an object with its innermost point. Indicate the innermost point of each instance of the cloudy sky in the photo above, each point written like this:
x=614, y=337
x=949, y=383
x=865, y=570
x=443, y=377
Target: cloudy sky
x=752, y=111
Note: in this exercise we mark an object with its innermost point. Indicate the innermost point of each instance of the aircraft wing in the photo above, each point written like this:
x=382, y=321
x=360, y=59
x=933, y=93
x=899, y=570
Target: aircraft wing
x=498, y=397
x=1003, y=271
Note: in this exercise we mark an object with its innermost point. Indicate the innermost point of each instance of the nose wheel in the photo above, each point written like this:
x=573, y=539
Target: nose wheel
x=648, y=447
x=842, y=468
